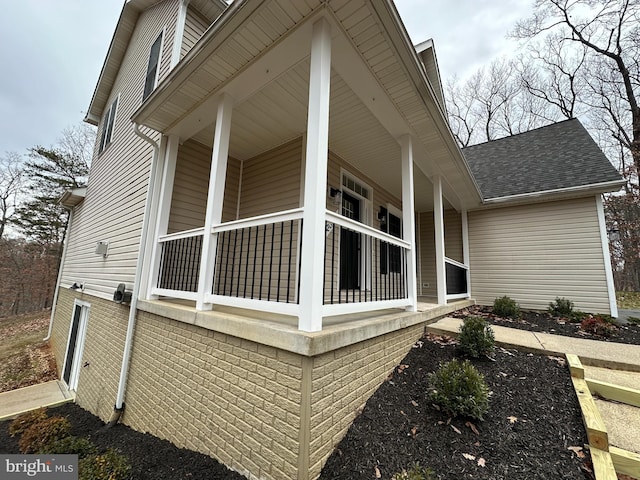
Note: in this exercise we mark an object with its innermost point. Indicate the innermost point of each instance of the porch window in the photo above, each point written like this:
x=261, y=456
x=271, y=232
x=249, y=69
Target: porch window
x=107, y=125
x=390, y=255
x=152, y=68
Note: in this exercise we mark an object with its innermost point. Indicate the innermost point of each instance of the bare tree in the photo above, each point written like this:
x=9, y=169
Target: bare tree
x=609, y=33
x=11, y=185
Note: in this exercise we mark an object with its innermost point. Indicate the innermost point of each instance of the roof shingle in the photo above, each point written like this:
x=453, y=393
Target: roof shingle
x=558, y=156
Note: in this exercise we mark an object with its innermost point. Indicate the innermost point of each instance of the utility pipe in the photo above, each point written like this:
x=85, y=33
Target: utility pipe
x=128, y=343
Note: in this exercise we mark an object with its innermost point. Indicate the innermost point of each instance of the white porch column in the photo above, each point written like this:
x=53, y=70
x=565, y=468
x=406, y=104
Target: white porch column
x=438, y=219
x=163, y=207
x=465, y=247
x=312, y=251
x=215, y=197
x=409, y=219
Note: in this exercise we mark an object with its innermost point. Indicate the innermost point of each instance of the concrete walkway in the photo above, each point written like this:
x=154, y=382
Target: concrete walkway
x=48, y=394
x=595, y=353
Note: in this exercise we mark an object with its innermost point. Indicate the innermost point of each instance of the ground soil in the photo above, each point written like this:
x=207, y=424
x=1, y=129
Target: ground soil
x=547, y=323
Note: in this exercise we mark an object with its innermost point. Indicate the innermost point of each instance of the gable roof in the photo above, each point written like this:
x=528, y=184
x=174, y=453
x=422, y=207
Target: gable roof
x=559, y=157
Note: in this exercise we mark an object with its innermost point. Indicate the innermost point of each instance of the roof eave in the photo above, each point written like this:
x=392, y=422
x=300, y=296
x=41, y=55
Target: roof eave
x=556, y=194
x=73, y=197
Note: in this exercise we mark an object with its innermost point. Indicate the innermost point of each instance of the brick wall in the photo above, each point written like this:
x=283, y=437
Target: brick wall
x=343, y=380
x=103, y=347
x=233, y=399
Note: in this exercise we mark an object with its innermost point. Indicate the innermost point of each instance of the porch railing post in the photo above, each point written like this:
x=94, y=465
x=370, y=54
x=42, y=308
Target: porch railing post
x=409, y=219
x=313, y=228
x=465, y=248
x=438, y=219
x=164, y=204
x=215, y=198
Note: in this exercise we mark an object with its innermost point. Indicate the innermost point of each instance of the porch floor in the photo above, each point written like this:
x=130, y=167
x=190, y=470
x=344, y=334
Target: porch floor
x=281, y=331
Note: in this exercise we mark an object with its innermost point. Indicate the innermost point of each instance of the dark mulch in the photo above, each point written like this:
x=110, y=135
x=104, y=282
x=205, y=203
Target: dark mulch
x=151, y=458
x=533, y=420
x=544, y=322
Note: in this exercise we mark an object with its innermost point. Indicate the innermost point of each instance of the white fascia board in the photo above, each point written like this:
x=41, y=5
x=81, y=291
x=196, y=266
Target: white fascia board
x=557, y=193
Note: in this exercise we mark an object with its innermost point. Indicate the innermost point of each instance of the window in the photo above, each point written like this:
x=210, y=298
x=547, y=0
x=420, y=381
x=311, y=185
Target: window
x=390, y=255
x=107, y=126
x=152, y=69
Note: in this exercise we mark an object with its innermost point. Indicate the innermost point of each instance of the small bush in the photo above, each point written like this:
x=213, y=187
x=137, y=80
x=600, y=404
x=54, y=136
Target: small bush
x=597, y=326
x=577, y=316
x=459, y=389
x=416, y=472
x=24, y=421
x=109, y=465
x=633, y=320
x=561, y=307
x=506, y=307
x=71, y=445
x=42, y=433
x=476, y=337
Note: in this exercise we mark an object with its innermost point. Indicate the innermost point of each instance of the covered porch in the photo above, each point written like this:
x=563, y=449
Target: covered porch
x=293, y=185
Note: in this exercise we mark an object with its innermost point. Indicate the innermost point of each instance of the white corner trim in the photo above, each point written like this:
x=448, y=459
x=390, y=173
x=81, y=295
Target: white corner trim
x=178, y=35
x=613, y=305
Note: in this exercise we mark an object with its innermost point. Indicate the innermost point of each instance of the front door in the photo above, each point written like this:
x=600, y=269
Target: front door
x=75, y=345
x=350, y=245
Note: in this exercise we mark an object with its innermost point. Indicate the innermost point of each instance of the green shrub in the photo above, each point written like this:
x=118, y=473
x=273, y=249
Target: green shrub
x=506, y=307
x=416, y=472
x=459, y=389
x=633, y=320
x=40, y=434
x=561, y=307
x=577, y=316
x=24, y=421
x=597, y=326
x=476, y=337
x=109, y=465
x=71, y=445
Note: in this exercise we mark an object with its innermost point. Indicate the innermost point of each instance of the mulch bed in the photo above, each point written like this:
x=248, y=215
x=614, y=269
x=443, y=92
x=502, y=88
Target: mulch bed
x=150, y=457
x=533, y=428
x=546, y=323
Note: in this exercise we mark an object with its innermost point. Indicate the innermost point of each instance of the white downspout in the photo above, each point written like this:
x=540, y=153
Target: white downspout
x=62, y=260
x=126, y=357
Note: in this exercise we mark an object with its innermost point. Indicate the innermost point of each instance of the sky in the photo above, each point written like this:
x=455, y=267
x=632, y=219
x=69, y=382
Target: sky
x=52, y=52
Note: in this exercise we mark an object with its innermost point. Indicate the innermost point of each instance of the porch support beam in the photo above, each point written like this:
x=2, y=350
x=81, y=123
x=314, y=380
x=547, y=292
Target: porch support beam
x=313, y=232
x=409, y=219
x=438, y=220
x=215, y=198
x=465, y=247
x=170, y=160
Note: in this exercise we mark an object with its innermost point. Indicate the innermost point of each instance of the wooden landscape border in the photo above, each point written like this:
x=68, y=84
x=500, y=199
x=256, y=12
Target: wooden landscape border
x=607, y=459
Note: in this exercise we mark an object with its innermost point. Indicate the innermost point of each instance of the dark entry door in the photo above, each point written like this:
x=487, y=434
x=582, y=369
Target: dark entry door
x=350, y=245
x=71, y=349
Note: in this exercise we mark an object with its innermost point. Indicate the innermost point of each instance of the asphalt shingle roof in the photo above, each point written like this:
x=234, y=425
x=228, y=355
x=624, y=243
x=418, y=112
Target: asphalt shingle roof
x=561, y=155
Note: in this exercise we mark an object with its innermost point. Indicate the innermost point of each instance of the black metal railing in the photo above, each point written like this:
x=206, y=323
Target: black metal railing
x=456, y=276
x=180, y=264
x=259, y=262
x=362, y=268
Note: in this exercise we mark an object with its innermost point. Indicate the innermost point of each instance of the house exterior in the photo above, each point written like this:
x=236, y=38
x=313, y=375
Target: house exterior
x=276, y=207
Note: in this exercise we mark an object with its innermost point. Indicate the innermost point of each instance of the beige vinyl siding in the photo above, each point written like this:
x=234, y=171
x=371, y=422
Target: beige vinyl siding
x=195, y=25
x=191, y=186
x=535, y=253
x=427, y=257
x=271, y=181
x=117, y=186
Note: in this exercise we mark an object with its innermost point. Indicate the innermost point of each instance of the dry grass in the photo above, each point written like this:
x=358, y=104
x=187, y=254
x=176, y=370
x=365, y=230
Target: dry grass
x=24, y=358
x=628, y=300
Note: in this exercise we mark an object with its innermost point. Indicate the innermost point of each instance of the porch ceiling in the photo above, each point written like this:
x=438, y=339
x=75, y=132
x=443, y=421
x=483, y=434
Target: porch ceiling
x=263, y=64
